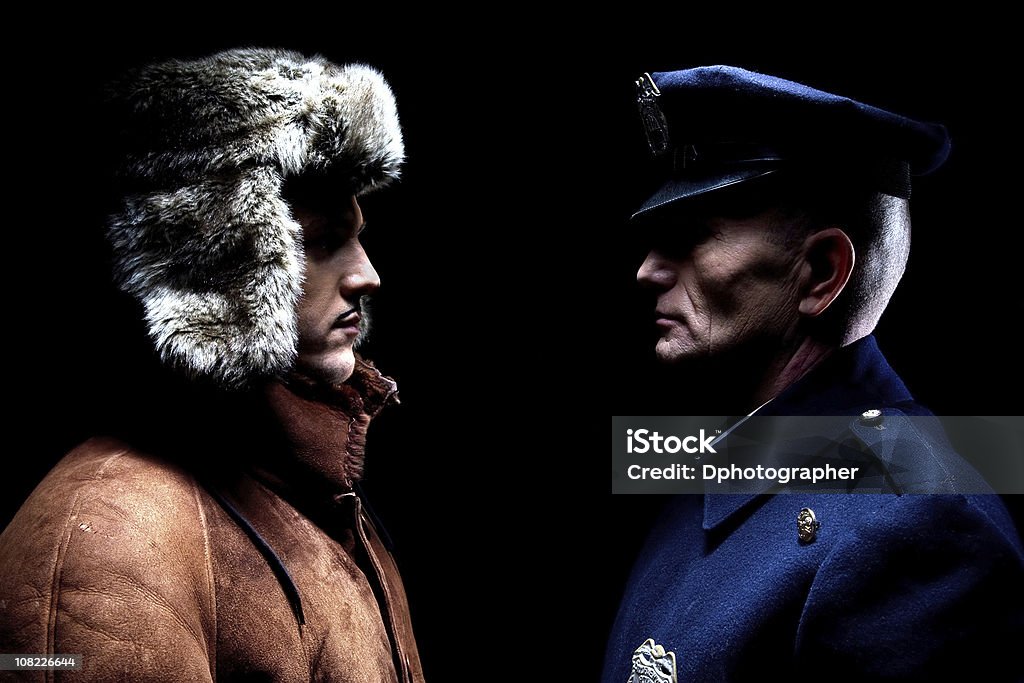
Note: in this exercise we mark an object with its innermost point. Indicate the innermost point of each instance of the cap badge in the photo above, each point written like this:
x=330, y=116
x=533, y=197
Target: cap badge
x=653, y=118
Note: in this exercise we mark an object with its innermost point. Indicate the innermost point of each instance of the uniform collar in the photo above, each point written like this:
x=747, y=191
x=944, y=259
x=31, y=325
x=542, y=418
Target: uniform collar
x=853, y=379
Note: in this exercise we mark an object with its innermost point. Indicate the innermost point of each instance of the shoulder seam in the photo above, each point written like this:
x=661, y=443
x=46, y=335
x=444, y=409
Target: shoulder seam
x=931, y=454
x=58, y=561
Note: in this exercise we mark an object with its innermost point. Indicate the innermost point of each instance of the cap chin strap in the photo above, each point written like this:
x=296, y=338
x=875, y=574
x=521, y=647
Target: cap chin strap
x=889, y=176
x=700, y=155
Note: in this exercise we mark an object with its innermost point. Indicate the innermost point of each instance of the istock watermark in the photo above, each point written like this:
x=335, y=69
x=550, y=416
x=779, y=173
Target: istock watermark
x=721, y=475
x=643, y=440
x=876, y=452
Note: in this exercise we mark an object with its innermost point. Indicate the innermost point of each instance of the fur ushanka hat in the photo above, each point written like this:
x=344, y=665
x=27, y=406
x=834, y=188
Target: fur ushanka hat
x=203, y=238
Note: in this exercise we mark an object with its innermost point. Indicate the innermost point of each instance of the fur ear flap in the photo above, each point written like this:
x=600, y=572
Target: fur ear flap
x=205, y=240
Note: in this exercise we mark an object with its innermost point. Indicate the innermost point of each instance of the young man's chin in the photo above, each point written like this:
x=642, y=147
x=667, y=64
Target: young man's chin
x=333, y=367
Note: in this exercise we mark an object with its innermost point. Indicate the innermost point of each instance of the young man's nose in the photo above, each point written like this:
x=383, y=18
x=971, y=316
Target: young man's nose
x=362, y=278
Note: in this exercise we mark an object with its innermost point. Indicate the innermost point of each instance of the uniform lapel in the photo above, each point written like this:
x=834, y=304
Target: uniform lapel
x=855, y=378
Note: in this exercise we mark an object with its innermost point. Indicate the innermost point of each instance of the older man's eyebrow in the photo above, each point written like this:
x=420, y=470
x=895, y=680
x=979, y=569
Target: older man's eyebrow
x=359, y=230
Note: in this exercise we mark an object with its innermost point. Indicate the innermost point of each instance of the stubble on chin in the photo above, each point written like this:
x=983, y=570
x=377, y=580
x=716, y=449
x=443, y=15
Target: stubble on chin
x=333, y=366
x=330, y=369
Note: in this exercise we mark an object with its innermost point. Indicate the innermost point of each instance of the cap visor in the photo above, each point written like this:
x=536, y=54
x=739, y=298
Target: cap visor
x=678, y=189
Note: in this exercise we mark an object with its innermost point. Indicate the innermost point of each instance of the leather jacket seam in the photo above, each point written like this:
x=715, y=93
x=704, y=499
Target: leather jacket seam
x=58, y=569
x=207, y=556
x=62, y=549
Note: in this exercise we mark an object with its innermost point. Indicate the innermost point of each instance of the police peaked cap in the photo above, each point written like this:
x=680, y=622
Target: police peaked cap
x=714, y=127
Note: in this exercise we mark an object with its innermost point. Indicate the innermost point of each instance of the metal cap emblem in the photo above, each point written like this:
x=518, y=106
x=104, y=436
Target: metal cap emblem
x=653, y=118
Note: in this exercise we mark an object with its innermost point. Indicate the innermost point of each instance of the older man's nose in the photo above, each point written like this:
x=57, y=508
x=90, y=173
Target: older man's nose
x=656, y=272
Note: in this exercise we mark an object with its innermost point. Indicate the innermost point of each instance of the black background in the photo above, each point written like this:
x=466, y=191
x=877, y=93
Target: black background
x=507, y=312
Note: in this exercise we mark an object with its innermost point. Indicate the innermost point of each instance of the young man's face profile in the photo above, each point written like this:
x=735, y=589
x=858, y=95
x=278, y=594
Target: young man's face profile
x=331, y=317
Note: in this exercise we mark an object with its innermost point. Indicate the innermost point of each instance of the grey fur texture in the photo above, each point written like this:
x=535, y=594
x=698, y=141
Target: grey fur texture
x=203, y=238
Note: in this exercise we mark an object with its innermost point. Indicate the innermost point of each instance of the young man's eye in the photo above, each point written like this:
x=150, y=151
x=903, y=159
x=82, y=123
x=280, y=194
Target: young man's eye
x=331, y=237
x=328, y=241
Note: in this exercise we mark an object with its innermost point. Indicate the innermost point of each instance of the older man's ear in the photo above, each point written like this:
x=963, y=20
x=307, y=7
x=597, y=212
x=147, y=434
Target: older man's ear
x=828, y=260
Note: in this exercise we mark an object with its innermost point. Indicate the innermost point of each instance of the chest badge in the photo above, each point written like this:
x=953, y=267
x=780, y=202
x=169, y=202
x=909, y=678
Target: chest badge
x=652, y=664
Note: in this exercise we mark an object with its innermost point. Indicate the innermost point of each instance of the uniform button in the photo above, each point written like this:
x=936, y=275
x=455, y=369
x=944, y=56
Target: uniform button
x=871, y=418
x=807, y=526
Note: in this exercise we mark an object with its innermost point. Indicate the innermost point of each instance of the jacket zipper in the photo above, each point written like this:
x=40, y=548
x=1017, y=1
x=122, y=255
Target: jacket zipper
x=401, y=661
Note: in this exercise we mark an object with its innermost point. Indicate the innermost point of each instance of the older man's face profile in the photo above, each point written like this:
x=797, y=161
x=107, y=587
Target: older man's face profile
x=720, y=285
x=331, y=316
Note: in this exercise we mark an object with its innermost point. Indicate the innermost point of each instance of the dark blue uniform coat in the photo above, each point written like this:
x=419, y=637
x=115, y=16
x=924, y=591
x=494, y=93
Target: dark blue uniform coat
x=894, y=587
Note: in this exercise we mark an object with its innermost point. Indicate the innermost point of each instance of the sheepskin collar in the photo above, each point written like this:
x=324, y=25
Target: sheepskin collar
x=306, y=441
x=322, y=430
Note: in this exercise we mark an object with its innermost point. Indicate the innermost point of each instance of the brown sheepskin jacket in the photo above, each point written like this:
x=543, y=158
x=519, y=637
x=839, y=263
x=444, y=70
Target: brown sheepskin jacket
x=218, y=565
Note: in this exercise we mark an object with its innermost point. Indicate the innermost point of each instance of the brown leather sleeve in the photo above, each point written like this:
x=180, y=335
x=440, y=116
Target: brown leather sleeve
x=109, y=559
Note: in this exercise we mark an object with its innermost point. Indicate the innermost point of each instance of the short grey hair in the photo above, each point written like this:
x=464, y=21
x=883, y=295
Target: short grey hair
x=877, y=224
